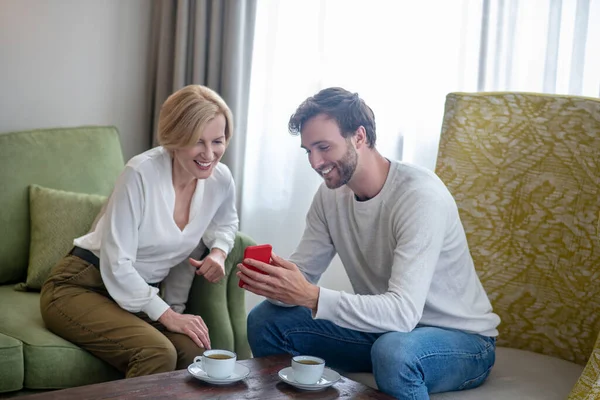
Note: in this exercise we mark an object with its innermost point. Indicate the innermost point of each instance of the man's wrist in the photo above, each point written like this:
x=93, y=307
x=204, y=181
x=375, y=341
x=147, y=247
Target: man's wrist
x=313, y=298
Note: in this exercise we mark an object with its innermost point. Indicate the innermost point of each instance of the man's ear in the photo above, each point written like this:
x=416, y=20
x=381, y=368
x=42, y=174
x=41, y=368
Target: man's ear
x=360, y=137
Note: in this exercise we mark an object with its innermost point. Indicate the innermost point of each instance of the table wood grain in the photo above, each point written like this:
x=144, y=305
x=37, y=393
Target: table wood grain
x=263, y=383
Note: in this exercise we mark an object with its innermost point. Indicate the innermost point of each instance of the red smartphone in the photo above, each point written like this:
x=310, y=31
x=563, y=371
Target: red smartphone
x=260, y=253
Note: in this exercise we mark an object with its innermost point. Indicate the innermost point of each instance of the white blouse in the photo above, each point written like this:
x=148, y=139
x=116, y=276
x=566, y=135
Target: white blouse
x=137, y=239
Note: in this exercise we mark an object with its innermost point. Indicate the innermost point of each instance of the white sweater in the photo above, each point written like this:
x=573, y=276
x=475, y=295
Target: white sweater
x=405, y=252
x=138, y=241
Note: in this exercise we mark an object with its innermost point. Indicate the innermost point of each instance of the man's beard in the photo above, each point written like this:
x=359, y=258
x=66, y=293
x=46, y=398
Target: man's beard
x=345, y=168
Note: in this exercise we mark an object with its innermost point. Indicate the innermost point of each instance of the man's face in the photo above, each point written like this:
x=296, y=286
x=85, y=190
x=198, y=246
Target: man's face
x=329, y=153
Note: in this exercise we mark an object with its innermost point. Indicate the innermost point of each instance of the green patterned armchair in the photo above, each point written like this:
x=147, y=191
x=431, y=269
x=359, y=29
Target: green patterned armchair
x=524, y=169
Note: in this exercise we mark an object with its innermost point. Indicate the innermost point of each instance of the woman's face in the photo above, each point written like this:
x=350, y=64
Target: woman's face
x=200, y=159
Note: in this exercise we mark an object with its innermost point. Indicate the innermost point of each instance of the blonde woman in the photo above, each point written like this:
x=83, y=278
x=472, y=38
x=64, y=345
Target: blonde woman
x=168, y=202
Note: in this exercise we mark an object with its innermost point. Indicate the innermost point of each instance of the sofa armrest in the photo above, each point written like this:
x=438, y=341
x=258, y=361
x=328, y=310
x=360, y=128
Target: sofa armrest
x=588, y=384
x=222, y=305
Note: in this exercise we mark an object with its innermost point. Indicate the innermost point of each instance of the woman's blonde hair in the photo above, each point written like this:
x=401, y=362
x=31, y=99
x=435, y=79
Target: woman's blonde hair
x=185, y=113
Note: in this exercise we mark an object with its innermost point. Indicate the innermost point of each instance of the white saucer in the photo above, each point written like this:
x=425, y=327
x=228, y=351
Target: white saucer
x=328, y=378
x=239, y=372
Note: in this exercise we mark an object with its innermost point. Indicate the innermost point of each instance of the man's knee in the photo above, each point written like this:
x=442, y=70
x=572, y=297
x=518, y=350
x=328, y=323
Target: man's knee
x=253, y=320
x=267, y=324
x=396, y=355
x=397, y=367
x=264, y=317
x=258, y=320
x=394, y=349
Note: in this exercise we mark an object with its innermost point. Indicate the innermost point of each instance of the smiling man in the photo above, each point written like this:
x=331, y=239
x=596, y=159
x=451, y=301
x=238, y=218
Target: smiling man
x=420, y=319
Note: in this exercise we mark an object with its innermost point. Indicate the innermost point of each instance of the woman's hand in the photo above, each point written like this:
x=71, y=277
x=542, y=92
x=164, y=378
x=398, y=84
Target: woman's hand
x=190, y=325
x=212, y=267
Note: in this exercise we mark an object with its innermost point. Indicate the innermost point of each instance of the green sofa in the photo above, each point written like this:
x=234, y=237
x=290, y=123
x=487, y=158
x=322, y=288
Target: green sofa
x=83, y=160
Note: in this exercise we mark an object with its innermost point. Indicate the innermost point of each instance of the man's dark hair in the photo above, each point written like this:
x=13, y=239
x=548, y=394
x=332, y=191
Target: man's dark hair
x=348, y=110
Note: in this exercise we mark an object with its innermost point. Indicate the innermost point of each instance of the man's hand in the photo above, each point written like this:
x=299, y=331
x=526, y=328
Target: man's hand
x=212, y=267
x=190, y=325
x=284, y=282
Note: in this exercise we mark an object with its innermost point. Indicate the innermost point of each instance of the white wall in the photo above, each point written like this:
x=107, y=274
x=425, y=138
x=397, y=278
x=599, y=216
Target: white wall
x=80, y=62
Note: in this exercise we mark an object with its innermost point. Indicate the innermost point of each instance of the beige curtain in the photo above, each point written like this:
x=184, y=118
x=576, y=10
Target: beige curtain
x=207, y=42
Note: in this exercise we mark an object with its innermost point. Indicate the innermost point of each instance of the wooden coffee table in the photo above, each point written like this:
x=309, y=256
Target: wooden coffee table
x=263, y=383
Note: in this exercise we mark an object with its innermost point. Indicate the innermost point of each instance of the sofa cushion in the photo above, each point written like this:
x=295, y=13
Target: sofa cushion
x=83, y=159
x=517, y=374
x=219, y=313
x=57, y=217
x=11, y=364
x=50, y=361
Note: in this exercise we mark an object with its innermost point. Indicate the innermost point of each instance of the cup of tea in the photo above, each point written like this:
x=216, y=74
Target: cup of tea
x=218, y=364
x=307, y=369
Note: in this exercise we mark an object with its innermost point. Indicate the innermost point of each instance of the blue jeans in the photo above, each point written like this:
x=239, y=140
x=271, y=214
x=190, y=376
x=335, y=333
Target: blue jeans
x=405, y=365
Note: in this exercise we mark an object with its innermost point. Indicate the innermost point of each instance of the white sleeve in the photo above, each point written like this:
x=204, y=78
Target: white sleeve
x=224, y=225
x=176, y=286
x=315, y=250
x=119, y=249
x=420, y=231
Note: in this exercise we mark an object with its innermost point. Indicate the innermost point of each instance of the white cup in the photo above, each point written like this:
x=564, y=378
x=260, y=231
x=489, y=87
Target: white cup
x=307, y=369
x=218, y=364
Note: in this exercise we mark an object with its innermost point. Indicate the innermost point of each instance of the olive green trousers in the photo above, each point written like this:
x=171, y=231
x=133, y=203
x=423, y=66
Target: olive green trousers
x=76, y=306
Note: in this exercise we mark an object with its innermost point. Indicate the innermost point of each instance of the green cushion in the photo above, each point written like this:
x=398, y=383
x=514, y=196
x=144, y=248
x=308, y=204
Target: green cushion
x=83, y=160
x=225, y=313
x=50, y=361
x=11, y=364
x=57, y=217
